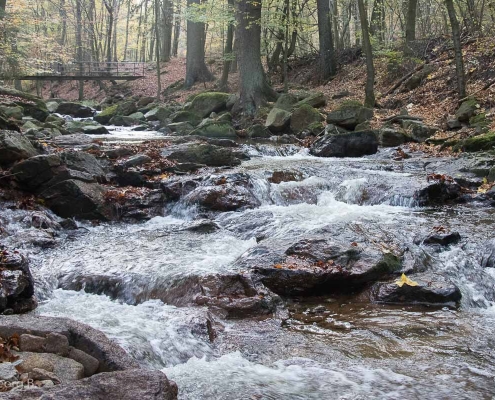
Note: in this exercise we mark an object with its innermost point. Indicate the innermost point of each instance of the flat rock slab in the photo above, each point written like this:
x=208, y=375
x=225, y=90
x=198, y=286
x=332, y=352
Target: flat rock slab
x=432, y=289
x=64, y=368
x=136, y=384
x=111, y=356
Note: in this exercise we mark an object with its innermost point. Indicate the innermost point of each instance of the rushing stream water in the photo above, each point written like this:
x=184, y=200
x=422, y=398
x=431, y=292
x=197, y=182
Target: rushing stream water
x=329, y=348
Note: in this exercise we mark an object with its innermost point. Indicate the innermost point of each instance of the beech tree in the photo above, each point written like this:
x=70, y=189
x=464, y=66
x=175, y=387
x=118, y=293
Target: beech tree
x=327, y=51
x=253, y=85
x=456, y=38
x=370, y=68
x=196, y=69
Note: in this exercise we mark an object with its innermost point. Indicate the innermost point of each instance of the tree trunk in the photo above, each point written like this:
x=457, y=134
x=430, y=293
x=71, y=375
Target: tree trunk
x=412, y=6
x=110, y=10
x=196, y=69
x=369, y=100
x=377, y=26
x=327, y=53
x=456, y=38
x=175, y=49
x=229, y=44
x=129, y=12
x=79, y=46
x=254, y=88
x=157, y=40
x=167, y=12
x=3, y=6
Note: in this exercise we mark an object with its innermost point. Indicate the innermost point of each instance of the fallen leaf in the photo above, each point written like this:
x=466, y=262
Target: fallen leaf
x=405, y=280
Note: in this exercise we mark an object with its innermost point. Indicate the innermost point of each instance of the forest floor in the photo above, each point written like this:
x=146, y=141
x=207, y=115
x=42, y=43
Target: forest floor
x=433, y=100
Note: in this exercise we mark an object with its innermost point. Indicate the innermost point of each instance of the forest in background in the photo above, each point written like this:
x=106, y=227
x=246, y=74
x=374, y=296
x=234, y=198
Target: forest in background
x=264, y=40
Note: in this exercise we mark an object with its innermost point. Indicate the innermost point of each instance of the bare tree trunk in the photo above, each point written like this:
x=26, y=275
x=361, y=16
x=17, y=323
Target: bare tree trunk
x=157, y=40
x=167, y=12
x=369, y=100
x=110, y=9
x=79, y=46
x=175, y=49
x=196, y=69
x=377, y=26
x=254, y=88
x=412, y=6
x=328, y=65
x=227, y=53
x=456, y=38
x=129, y=12
x=3, y=6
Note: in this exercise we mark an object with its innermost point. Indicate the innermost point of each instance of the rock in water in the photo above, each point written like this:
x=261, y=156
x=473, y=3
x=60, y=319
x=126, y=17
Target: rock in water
x=205, y=103
x=431, y=289
x=16, y=283
x=75, y=110
x=352, y=144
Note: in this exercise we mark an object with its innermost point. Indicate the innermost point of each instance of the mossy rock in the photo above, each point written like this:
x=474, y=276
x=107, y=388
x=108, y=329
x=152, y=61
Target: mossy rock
x=107, y=114
x=477, y=143
x=15, y=112
x=222, y=130
x=258, y=131
x=158, y=114
x=205, y=103
x=315, y=100
x=303, y=117
x=350, y=114
x=286, y=101
x=467, y=110
x=349, y=104
x=480, y=123
x=127, y=108
x=186, y=116
x=278, y=120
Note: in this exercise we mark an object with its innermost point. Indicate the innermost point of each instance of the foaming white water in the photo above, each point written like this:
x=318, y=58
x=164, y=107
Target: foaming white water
x=153, y=333
x=233, y=377
x=151, y=250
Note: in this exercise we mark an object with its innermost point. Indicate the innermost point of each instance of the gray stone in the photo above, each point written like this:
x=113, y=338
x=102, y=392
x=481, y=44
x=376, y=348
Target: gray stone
x=135, y=384
x=277, y=120
x=258, y=131
x=315, y=100
x=205, y=103
x=38, y=374
x=216, y=130
x=158, y=114
x=64, y=368
x=111, y=356
x=351, y=144
x=14, y=147
x=15, y=112
x=137, y=160
x=206, y=154
x=90, y=363
x=95, y=130
x=390, y=137
x=418, y=131
x=453, y=123
x=31, y=343
x=349, y=116
x=8, y=373
x=74, y=110
x=57, y=344
x=286, y=101
x=304, y=117
x=431, y=289
x=467, y=109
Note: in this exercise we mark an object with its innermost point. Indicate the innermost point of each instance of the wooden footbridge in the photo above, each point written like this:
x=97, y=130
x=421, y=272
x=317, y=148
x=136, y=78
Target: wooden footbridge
x=78, y=71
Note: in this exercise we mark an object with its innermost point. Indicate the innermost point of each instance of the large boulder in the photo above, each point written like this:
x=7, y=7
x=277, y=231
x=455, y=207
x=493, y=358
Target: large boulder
x=75, y=110
x=418, y=131
x=286, y=101
x=323, y=266
x=186, y=116
x=467, y=110
x=160, y=114
x=304, y=117
x=127, y=108
x=429, y=289
x=15, y=112
x=351, y=144
x=216, y=130
x=205, y=103
x=315, y=100
x=14, y=146
x=438, y=193
x=74, y=198
x=391, y=137
x=349, y=115
x=16, y=283
x=94, y=130
x=277, y=120
x=41, y=172
x=107, y=114
x=206, y=154
x=32, y=106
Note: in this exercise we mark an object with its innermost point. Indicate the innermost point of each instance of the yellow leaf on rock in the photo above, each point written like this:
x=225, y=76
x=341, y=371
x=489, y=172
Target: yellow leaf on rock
x=405, y=280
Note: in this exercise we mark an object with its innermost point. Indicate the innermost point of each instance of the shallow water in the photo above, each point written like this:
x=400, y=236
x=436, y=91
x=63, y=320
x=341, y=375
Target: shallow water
x=328, y=348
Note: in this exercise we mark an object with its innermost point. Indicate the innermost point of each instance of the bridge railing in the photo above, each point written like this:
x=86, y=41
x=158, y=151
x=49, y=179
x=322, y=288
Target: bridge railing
x=79, y=69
